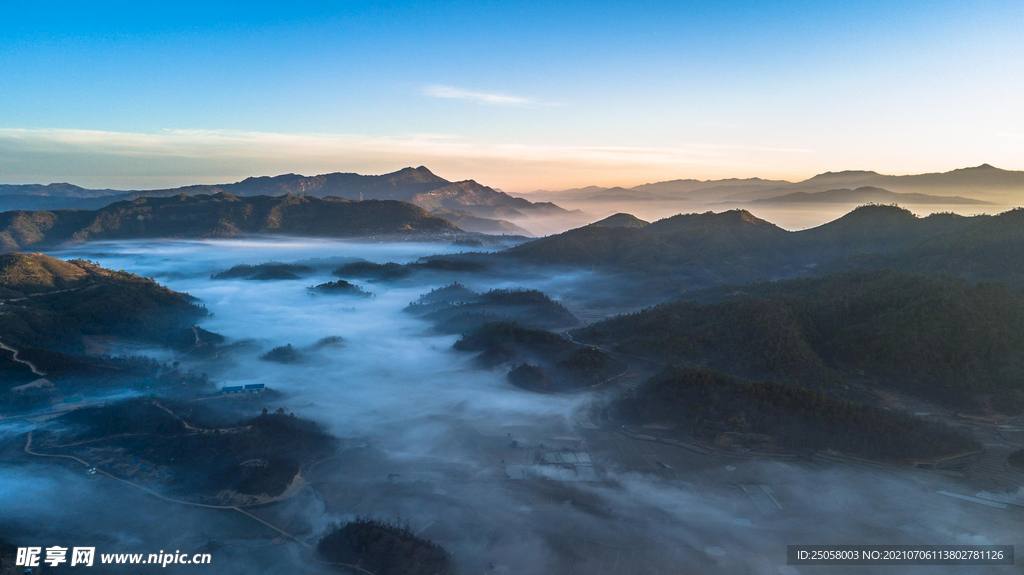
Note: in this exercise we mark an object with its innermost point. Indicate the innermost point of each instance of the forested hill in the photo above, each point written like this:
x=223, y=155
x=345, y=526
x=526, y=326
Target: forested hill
x=49, y=306
x=978, y=248
x=218, y=216
x=735, y=246
x=947, y=339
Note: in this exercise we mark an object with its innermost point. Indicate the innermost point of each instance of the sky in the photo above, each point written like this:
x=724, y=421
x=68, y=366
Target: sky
x=517, y=95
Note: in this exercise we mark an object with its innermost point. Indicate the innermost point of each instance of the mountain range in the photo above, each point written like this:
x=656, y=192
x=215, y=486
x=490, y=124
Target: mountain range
x=467, y=201
x=980, y=184
x=220, y=215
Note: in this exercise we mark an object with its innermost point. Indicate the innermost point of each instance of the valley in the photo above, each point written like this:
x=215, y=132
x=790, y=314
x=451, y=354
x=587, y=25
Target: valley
x=506, y=444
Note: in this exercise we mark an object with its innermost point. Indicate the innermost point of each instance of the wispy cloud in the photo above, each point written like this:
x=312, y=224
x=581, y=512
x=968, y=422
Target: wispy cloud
x=438, y=91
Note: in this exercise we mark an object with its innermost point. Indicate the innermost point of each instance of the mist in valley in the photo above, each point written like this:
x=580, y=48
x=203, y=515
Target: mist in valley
x=429, y=437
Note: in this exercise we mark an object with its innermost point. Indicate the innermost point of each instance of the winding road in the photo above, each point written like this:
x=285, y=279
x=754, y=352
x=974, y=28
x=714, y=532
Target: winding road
x=30, y=365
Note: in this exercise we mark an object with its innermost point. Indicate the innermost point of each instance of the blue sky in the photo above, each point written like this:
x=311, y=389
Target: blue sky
x=519, y=95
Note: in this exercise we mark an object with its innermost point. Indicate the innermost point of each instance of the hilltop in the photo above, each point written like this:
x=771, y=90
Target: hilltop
x=621, y=221
x=220, y=215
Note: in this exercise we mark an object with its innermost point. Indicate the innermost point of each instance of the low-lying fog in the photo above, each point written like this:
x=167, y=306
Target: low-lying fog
x=427, y=438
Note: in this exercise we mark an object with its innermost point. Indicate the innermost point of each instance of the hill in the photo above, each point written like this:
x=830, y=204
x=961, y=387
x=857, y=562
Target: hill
x=542, y=361
x=391, y=271
x=709, y=247
x=339, y=287
x=447, y=295
x=267, y=271
x=976, y=248
x=773, y=416
x=383, y=548
x=874, y=229
x=949, y=340
x=218, y=216
x=456, y=309
x=51, y=306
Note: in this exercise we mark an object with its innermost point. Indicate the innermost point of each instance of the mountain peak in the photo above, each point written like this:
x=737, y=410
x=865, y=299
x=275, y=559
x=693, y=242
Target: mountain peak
x=414, y=175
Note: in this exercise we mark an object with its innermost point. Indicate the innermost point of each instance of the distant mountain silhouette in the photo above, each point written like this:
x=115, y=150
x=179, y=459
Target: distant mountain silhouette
x=671, y=190
x=63, y=190
x=983, y=178
x=983, y=182
x=986, y=182
x=690, y=187
x=864, y=195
